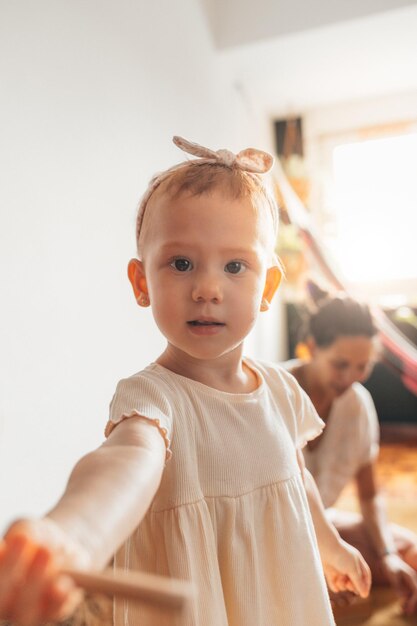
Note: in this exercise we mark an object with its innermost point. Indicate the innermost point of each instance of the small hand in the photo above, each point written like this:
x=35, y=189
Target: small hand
x=32, y=590
x=341, y=599
x=403, y=579
x=346, y=570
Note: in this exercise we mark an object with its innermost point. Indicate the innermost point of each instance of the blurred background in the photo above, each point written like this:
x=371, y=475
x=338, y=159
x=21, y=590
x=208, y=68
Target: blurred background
x=91, y=93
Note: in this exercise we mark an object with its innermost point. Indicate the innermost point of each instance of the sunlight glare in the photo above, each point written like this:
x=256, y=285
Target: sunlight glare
x=376, y=206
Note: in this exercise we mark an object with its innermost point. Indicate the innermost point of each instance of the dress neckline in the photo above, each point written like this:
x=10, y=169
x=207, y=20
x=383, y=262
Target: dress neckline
x=213, y=391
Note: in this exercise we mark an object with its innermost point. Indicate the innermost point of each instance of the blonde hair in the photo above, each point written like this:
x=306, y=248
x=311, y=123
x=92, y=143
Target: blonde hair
x=197, y=178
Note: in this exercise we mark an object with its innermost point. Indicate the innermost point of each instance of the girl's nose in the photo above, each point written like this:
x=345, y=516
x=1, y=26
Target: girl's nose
x=207, y=289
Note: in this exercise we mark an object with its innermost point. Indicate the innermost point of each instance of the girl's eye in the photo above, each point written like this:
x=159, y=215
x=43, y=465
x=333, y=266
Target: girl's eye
x=235, y=267
x=181, y=265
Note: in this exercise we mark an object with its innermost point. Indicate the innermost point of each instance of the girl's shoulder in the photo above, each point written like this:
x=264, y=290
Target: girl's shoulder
x=293, y=404
x=285, y=388
x=153, y=386
x=277, y=375
x=149, y=391
x=153, y=375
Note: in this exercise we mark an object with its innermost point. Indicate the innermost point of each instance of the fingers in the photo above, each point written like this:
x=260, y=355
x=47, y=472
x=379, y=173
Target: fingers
x=409, y=606
x=408, y=590
x=30, y=607
x=64, y=597
x=338, y=582
x=15, y=554
x=341, y=583
x=349, y=586
x=359, y=574
x=341, y=599
x=31, y=591
x=364, y=580
x=353, y=575
x=404, y=580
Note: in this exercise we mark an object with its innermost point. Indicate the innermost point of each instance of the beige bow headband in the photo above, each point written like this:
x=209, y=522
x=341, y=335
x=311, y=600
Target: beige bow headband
x=250, y=160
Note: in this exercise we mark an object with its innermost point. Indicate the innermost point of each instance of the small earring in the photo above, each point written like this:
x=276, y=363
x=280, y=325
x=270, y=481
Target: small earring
x=143, y=299
x=264, y=304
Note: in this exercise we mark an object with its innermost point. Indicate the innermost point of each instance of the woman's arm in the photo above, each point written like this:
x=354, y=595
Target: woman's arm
x=402, y=577
x=107, y=495
x=373, y=511
x=343, y=565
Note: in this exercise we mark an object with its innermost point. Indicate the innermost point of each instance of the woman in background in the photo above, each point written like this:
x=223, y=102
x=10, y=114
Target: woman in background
x=340, y=341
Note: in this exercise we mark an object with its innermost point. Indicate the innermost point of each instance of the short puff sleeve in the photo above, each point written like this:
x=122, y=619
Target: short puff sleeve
x=302, y=419
x=141, y=397
x=309, y=424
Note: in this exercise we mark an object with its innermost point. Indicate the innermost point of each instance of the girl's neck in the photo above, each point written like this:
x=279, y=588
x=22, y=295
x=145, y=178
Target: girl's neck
x=227, y=373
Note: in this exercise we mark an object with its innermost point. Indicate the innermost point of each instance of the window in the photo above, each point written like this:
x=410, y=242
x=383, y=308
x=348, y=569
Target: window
x=374, y=198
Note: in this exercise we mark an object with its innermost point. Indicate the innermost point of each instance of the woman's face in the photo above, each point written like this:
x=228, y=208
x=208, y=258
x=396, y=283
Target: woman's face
x=347, y=360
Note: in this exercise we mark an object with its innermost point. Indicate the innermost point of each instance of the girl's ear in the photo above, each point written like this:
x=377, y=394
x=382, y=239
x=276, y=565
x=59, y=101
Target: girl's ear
x=136, y=274
x=272, y=282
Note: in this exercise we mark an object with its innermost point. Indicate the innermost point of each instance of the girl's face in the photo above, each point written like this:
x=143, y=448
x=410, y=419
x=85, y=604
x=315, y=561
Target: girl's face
x=347, y=360
x=205, y=262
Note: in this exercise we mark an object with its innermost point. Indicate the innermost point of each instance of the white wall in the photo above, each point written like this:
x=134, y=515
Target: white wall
x=363, y=58
x=92, y=92
x=266, y=19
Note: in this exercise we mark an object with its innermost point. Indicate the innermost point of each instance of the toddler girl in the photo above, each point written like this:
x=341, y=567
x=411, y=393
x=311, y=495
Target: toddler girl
x=200, y=476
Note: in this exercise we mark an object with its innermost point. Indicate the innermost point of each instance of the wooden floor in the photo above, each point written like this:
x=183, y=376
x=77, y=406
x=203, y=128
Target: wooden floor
x=397, y=473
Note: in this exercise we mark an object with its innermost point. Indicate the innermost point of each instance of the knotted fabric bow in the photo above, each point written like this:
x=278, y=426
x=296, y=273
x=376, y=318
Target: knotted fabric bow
x=250, y=160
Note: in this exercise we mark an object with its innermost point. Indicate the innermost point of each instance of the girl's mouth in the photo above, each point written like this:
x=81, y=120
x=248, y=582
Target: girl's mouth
x=205, y=323
x=205, y=328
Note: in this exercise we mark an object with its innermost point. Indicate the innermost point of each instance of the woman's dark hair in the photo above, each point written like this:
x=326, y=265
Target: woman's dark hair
x=337, y=316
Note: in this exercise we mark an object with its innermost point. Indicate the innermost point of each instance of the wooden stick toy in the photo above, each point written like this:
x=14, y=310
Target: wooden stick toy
x=160, y=591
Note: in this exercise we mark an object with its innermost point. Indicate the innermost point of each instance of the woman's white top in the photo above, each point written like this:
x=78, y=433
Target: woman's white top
x=349, y=441
x=231, y=512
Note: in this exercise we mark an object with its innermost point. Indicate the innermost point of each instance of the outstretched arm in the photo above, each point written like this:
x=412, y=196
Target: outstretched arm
x=401, y=576
x=110, y=489
x=344, y=566
x=108, y=493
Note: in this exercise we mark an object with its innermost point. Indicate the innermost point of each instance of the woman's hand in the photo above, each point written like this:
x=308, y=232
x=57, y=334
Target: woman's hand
x=32, y=591
x=403, y=579
x=346, y=570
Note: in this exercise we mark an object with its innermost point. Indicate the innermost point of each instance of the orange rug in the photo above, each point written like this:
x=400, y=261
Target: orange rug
x=397, y=476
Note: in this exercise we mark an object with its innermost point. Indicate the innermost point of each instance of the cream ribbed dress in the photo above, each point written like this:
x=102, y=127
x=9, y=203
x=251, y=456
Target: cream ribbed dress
x=231, y=512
